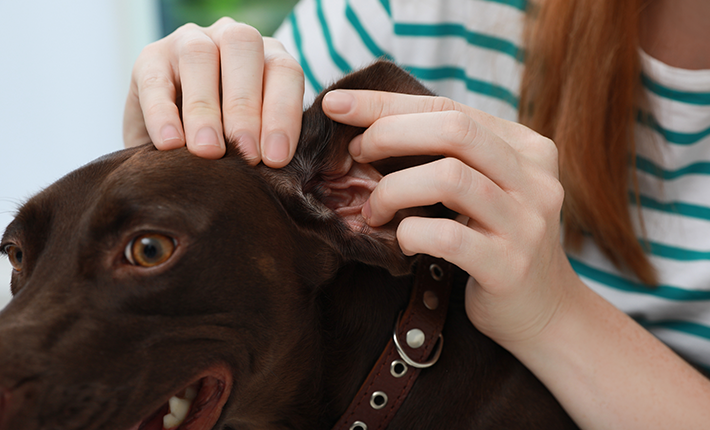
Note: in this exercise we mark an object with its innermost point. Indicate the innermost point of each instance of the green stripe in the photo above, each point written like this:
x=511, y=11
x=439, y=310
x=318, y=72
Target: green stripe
x=302, y=57
x=677, y=208
x=337, y=59
x=518, y=4
x=622, y=284
x=459, y=30
x=672, y=136
x=686, y=327
x=677, y=95
x=674, y=253
x=474, y=85
x=366, y=39
x=648, y=166
x=386, y=6
x=671, y=252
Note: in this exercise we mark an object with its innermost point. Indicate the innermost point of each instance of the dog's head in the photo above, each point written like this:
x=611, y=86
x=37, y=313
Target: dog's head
x=147, y=275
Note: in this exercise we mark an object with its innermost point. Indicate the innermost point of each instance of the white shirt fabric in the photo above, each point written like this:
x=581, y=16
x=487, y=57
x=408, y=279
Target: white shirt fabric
x=471, y=51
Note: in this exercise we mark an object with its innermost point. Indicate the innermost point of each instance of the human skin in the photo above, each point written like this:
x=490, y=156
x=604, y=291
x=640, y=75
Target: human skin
x=259, y=107
x=606, y=370
x=676, y=32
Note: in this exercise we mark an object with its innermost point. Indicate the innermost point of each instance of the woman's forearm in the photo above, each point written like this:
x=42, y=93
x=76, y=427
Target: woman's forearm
x=610, y=373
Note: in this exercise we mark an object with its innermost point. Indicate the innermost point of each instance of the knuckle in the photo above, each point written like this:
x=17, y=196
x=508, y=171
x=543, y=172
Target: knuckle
x=546, y=147
x=375, y=136
x=449, y=238
x=154, y=81
x=272, y=44
x=152, y=49
x=199, y=46
x=159, y=110
x=241, y=106
x=240, y=33
x=188, y=28
x=379, y=108
x=146, y=60
x=536, y=226
x=452, y=176
x=201, y=108
x=527, y=248
x=440, y=104
x=283, y=63
x=223, y=21
x=555, y=194
x=459, y=129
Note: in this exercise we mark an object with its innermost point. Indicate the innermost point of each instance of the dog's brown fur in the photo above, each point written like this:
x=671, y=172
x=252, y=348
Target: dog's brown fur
x=266, y=281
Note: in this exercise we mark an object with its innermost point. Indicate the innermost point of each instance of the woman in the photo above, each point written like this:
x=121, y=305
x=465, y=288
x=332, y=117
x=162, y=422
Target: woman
x=608, y=81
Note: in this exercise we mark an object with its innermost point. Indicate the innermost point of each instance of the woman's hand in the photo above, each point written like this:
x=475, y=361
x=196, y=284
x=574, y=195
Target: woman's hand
x=605, y=369
x=502, y=177
x=200, y=85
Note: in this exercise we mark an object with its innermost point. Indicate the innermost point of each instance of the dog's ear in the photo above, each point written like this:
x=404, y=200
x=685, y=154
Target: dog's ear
x=324, y=190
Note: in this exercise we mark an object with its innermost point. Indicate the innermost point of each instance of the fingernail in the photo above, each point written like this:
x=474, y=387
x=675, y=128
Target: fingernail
x=355, y=147
x=338, y=102
x=169, y=134
x=206, y=136
x=276, y=147
x=247, y=144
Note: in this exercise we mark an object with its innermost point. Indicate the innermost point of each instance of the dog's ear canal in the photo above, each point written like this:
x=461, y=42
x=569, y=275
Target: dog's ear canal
x=323, y=189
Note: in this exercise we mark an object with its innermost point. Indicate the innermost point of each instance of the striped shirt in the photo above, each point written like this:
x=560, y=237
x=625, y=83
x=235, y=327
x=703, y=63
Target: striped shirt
x=470, y=51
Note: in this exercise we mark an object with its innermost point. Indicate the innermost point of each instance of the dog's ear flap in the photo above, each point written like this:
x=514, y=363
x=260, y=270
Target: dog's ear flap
x=324, y=190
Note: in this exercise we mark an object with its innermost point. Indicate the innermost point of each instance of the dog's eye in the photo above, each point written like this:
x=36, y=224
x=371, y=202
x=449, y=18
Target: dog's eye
x=14, y=254
x=149, y=250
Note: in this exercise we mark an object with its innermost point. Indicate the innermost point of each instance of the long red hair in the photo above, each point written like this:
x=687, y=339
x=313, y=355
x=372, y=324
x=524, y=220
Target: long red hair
x=581, y=87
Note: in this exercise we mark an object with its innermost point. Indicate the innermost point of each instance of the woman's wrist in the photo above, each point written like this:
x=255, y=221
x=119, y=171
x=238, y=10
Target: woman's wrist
x=609, y=372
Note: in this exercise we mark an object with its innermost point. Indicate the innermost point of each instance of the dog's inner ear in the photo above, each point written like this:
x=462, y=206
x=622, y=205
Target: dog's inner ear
x=324, y=190
x=345, y=195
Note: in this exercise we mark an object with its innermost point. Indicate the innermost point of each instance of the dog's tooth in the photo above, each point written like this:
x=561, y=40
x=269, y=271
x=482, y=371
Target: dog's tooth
x=179, y=407
x=178, y=411
x=170, y=422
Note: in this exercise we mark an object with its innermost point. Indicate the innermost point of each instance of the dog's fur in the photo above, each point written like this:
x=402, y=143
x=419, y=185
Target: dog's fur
x=277, y=298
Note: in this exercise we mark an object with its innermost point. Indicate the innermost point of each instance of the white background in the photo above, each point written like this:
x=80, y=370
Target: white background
x=64, y=74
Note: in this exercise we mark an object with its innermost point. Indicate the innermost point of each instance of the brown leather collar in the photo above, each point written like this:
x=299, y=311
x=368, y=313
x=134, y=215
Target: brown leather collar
x=416, y=344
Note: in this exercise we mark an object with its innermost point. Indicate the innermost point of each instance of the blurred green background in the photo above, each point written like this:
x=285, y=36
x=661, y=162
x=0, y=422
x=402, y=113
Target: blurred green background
x=265, y=15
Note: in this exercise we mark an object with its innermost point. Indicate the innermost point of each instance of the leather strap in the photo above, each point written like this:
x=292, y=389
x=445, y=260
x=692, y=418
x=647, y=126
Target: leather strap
x=419, y=337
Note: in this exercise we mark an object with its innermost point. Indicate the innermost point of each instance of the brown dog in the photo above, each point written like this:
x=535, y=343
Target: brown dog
x=257, y=296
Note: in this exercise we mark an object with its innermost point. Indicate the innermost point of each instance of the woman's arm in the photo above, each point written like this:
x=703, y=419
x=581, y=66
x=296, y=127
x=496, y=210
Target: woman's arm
x=606, y=370
x=609, y=372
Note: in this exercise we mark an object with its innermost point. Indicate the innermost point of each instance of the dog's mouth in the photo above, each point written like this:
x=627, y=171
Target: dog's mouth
x=198, y=406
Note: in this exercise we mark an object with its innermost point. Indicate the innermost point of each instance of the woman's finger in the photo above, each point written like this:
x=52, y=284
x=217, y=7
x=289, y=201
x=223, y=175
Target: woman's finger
x=135, y=129
x=449, y=133
x=364, y=108
x=448, y=181
x=199, y=75
x=471, y=250
x=151, y=114
x=283, y=104
x=242, y=66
